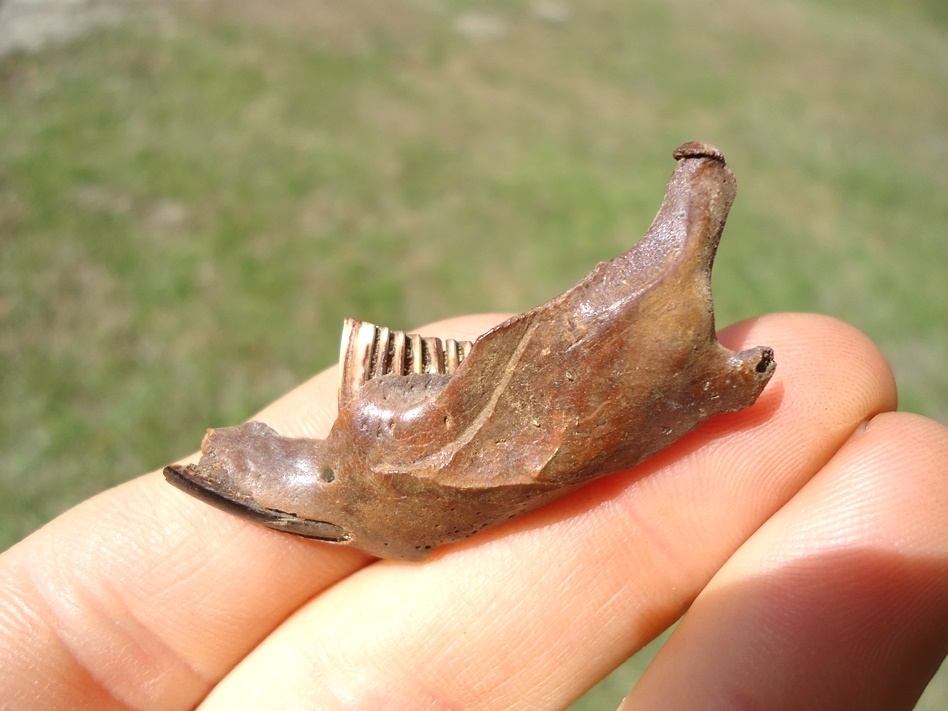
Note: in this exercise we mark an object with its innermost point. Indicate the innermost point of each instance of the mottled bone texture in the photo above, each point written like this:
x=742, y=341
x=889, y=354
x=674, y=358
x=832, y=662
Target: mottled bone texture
x=592, y=382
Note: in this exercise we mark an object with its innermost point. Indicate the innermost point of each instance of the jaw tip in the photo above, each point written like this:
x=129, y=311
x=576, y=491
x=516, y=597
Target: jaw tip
x=187, y=478
x=179, y=473
x=696, y=149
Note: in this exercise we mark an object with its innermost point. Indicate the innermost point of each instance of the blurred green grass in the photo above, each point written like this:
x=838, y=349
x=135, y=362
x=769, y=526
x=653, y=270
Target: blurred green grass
x=190, y=202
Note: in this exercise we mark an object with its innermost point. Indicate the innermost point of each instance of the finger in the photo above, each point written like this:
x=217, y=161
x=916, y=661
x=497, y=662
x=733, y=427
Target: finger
x=839, y=601
x=145, y=597
x=531, y=614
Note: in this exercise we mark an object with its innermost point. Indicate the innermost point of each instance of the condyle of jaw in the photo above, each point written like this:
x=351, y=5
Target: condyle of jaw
x=437, y=440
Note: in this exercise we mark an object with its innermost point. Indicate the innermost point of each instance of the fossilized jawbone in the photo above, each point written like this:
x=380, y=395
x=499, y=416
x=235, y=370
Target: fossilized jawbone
x=436, y=441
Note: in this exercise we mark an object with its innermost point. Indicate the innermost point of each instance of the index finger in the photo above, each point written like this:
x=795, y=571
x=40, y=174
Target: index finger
x=145, y=597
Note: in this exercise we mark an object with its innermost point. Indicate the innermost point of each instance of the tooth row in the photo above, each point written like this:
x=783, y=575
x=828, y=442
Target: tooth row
x=368, y=351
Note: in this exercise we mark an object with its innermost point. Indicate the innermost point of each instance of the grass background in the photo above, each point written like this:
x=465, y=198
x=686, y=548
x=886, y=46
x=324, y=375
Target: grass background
x=193, y=199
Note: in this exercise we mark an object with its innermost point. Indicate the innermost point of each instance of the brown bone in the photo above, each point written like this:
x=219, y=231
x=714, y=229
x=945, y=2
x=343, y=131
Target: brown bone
x=437, y=441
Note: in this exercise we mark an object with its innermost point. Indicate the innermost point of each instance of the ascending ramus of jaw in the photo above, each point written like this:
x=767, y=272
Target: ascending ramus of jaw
x=438, y=440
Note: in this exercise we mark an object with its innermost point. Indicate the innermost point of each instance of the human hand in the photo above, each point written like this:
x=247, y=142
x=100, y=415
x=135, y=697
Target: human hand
x=807, y=538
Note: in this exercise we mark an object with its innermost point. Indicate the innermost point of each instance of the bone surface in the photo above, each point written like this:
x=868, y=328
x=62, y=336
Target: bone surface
x=437, y=440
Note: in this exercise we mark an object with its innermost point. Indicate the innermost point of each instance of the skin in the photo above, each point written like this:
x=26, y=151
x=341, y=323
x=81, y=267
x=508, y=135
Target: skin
x=805, y=538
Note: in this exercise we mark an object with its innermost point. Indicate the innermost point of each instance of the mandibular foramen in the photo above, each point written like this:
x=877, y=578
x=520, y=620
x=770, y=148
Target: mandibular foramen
x=438, y=440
